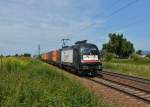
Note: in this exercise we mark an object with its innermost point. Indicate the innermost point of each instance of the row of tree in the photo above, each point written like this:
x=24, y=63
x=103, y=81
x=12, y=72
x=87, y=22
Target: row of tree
x=117, y=46
x=19, y=55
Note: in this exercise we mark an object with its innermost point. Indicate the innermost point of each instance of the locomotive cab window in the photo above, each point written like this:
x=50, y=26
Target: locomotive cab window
x=89, y=55
x=89, y=51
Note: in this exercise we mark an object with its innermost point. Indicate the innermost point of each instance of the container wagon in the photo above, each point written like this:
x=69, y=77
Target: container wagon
x=44, y=57
x=81, y=58
x=53, y=57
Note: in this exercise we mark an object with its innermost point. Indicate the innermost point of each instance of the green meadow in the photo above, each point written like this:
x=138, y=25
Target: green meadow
x=31, y=83
x=138, y=67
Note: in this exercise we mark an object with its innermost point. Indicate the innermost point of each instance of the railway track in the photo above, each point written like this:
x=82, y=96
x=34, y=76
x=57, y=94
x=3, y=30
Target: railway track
x=133, y=86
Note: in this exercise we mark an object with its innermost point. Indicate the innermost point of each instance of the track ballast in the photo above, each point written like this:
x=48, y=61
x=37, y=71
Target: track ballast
x=133, y=86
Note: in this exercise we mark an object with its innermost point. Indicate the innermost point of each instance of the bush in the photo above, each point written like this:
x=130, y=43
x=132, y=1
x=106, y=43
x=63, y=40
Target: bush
x=40, y=85
x=136, y=57
x=27, y=55
x=12, y=64
x=148, y=55
x=108, y=56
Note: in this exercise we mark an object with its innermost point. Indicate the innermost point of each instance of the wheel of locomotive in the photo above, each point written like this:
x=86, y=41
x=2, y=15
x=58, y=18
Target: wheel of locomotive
x=99, y=73
x=76, y=71
x=94, y=73
x=81, y=73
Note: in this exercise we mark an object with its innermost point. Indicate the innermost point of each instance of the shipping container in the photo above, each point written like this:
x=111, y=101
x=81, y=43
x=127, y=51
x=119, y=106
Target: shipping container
x=53, y=56
x=45, y=57
x=42, y=56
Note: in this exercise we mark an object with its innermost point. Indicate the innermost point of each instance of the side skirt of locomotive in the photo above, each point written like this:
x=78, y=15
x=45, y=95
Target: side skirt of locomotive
x=80, y=72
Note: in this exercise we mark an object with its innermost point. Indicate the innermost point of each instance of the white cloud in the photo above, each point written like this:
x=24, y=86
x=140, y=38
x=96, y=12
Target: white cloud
x=27, y=23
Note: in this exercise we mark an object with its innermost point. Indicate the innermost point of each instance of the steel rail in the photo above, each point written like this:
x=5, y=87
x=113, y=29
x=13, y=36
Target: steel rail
x=133, y=78
x=135, y=92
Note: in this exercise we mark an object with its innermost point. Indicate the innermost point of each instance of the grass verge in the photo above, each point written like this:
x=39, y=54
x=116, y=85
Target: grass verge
x=30, y=83
x=140, y=68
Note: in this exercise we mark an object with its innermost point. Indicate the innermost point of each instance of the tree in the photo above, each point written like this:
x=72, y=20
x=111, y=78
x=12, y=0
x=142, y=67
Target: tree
x=118, y=46
x=139, y=52
x=27, y=55
x=16, y=55
x=148, y=55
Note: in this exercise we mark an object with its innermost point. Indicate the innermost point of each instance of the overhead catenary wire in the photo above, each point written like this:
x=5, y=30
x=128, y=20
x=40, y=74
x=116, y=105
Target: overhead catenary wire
x=113, y=13
x=116, y=2
x=123, y=7
x=112, y=5
x=136, y=22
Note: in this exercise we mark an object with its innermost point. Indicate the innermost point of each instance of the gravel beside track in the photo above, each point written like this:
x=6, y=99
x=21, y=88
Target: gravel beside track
x=137, y=87
x=109, y=94
x=136, y=82
x=139, y=94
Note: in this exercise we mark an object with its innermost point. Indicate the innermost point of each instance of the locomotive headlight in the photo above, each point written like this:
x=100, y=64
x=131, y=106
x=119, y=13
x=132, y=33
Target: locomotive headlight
x=100, y=61
x=85, y=67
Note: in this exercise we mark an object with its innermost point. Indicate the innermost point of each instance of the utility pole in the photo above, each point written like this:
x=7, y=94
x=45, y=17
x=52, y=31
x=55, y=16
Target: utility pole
x=1, y=62
x=64, y=41
x=39, y=50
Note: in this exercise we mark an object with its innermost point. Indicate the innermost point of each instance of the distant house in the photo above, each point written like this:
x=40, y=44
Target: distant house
x=144, y=53
x=142, y=56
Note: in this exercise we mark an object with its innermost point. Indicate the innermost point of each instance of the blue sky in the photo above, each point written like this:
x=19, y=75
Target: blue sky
x=26, y=23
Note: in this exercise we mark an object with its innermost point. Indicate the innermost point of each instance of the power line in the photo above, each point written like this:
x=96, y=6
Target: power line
x=136, y=22
x=120, y=9
x=113, y=13
x=92, y=24
x=113, y=4
x=124, y=7
x=136, y=19
x=133, y=23
x=110, y=7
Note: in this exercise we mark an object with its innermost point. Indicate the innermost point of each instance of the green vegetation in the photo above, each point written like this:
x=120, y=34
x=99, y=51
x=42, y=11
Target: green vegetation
x=148, y=55
x=25, y=83
x=118, y=46
x=136, y=66
x=108, y=56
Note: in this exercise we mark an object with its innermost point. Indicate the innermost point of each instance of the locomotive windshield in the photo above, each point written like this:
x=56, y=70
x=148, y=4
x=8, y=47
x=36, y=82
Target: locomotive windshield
x=89, y=51
x=89, y=55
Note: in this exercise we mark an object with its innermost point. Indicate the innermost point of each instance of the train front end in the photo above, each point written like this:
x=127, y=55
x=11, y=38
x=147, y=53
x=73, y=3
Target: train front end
x=90, y=59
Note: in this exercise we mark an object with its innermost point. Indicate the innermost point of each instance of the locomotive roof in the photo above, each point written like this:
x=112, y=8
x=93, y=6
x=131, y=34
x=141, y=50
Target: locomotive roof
x=79, y=45
x=86, y=44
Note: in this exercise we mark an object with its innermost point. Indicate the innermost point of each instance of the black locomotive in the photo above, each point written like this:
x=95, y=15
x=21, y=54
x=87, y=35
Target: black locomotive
x=82, y=58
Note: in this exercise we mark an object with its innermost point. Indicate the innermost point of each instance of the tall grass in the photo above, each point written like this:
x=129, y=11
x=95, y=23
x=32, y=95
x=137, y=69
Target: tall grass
x=139, y=67
x=139, y=61
x=30, y=83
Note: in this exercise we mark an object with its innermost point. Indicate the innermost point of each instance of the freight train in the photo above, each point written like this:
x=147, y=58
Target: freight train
x=81, y=58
